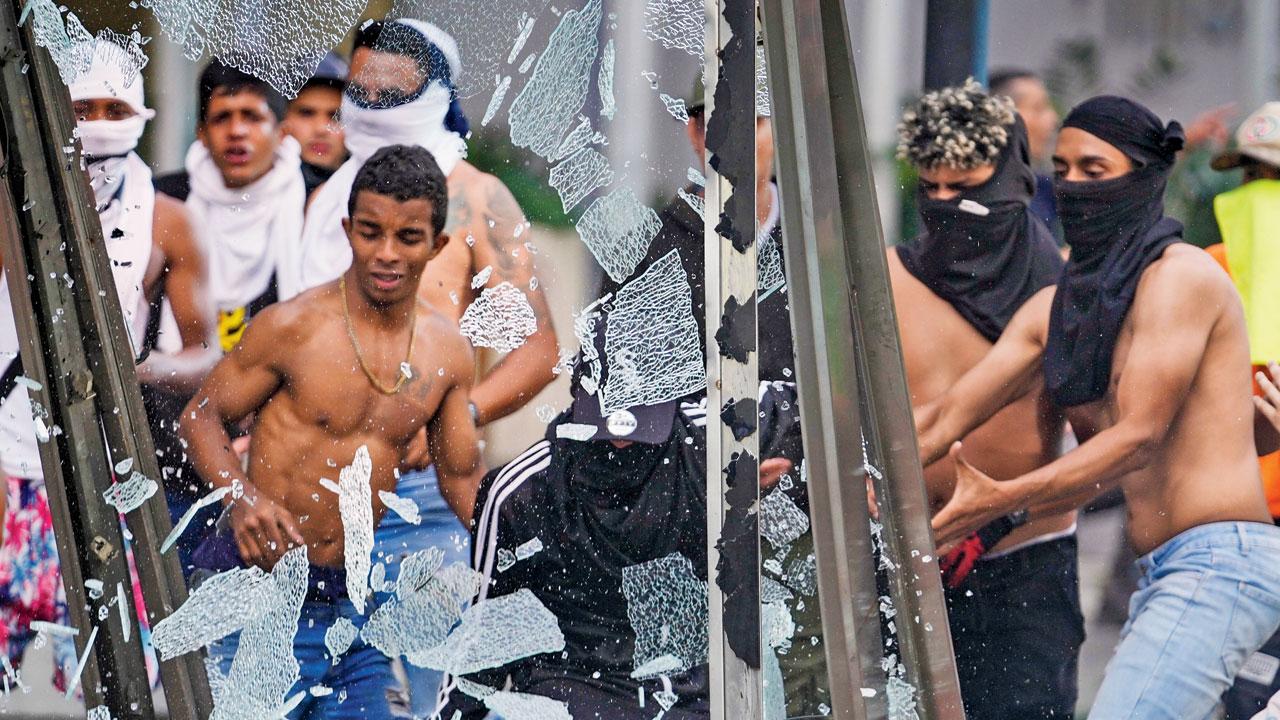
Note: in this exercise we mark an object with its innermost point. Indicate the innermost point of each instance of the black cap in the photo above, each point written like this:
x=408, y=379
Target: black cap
x=649, y=424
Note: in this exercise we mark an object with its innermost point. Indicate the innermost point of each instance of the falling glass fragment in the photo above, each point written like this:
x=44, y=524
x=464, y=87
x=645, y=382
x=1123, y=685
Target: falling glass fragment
x=575, y=431
x=406, y=508
x=523, y=706
x=495, y=632
x=676, y=107
x=221, y=605
x=781, y=521
x=676, y=24
x=181, y=526
x=129, y=495
x=355, y=504
x=495, y=102
x=338, y=638
x=608, y=104
x=501, y=318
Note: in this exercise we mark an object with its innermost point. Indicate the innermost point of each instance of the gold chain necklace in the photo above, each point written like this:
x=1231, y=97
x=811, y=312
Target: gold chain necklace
x=351, y=333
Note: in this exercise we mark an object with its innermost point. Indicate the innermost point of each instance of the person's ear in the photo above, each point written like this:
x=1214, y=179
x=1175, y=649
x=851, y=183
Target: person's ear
x=201, y=134
x=442, y=239
x=346, y=226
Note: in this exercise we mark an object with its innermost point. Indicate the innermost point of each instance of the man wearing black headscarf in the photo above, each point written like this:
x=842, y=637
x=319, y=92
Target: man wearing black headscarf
x=955, y=288
x=1143, y=345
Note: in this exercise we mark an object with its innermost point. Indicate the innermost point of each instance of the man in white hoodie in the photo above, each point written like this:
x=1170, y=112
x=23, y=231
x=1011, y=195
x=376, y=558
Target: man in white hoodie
x=401, y=90
x=154, y=255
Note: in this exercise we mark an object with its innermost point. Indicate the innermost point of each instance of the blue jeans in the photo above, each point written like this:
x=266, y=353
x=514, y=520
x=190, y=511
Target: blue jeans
x=397, y=539
x=1208, y=598
x=362, y=682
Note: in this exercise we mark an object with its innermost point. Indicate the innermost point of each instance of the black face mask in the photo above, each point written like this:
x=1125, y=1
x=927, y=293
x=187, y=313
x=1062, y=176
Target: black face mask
x=985, y=253
x=1115, y=228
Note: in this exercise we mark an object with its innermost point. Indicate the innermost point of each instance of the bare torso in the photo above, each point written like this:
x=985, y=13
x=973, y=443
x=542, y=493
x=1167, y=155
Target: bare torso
x=325, y=409
x=1206, y=469
x=939, y=346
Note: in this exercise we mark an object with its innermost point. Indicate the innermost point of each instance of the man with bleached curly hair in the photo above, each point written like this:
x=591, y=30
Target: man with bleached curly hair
x=1011, y=587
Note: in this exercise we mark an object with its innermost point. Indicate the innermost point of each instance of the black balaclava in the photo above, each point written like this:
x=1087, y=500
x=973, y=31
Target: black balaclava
x=986, y=265
x=1115, y=229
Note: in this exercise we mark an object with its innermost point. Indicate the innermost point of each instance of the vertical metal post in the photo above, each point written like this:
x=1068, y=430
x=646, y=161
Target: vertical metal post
x=733, y=492
x=73, y=341
x=948, y=42
x=841, y=299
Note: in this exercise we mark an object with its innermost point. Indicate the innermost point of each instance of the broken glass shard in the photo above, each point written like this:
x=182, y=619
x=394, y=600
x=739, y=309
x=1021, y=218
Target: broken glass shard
x=355, y=503
x=575, y=431
x=608, y=105
x=667, y=607
x=618, y=228
x=557, y=89
x=769, y=274
x=676, y=24
x=482, y=277
x=338, y=638
x=781, y=522
x=264, y=667
x=406, y=508
x=181, y=526
x=652, y=344
x=579, y=175
x=495, y=632
x=505, y=559
x=426, y=605
x=495, y=102
x=526, y=27
x=676, y=107
x=501, y=318
x=129, y=495
x=220, y=606
x=694, y=201
x=528, y=549
x=802, y=575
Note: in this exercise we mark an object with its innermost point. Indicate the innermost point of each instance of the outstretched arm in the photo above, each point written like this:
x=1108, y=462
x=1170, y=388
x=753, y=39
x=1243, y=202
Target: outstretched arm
x=455, y=447
x=240, y=384
x=186, y=285
x=504, y=246
x=1009, y=371
x=1173, y=317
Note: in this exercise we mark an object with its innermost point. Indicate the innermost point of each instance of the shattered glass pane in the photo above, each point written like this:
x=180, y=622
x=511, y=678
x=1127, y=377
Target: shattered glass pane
x=406, y=508
x=495, y=632
x=523, y=706
x=129, y=495
x=677, y=24
x=264, y=668
x=667, y=606
x=557, y=89
x=764, y=105
x=781, y=522
x=579, y=138
x=802, y=575
x=220, y=606
x=618, y=228
x=501, y=318
x=651, y=341
x=579, y=175
x=355, y=503
x=65, y=42
x=338, y=638
x=281, y=43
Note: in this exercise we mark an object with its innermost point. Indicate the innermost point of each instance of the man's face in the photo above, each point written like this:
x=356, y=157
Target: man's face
x=1031, y=99
x=382, y=78
x=95, y=109
x=948, y=183
x=1081, y=157
x=312, y=119
x=241, y=134
x=391, y=242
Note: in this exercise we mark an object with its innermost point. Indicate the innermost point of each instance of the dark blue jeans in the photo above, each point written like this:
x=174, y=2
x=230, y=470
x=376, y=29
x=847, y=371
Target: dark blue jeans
x=1017, y=629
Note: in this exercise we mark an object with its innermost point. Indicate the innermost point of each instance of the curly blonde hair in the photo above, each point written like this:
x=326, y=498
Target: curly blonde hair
x=960, y=126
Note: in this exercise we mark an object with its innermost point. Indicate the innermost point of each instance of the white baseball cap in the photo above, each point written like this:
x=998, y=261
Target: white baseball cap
x=1258, y=138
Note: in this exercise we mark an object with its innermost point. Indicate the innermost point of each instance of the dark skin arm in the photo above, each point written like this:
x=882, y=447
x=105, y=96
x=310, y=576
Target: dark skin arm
x=454, y=446
x=527, y=369
x=1171, y=328
x=186, y=285
x=240, y=384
